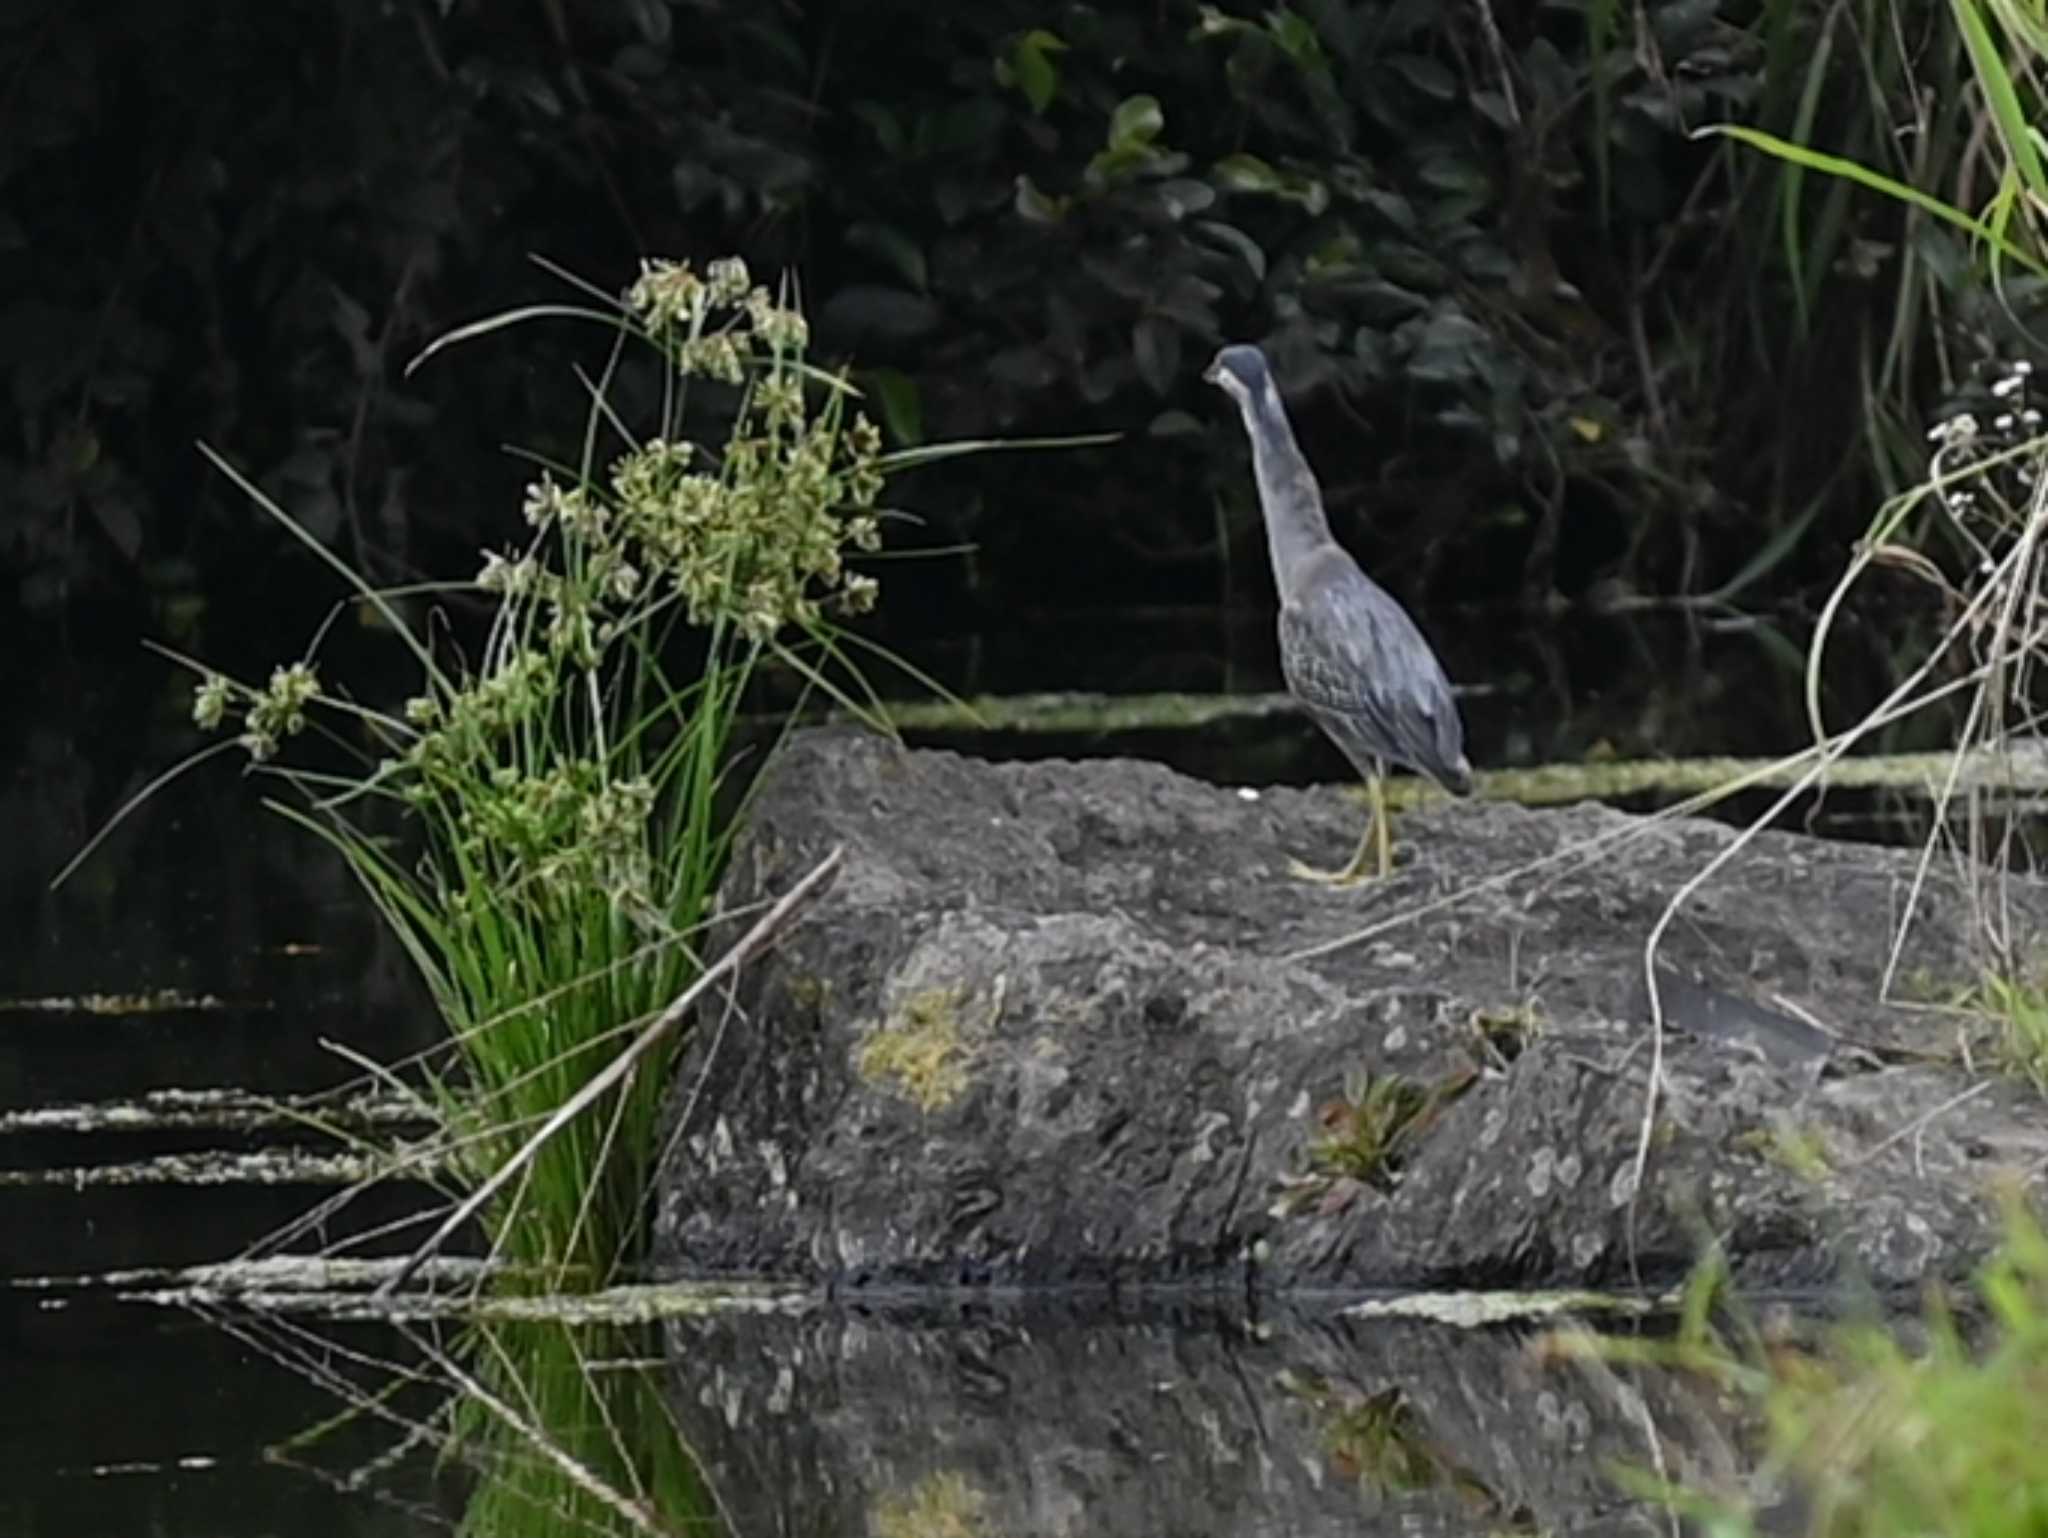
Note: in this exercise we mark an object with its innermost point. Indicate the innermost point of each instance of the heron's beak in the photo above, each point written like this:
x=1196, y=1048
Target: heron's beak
x=1212, y=374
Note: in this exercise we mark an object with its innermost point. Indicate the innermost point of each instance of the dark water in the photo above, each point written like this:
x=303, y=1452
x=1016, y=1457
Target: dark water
x=258, y=951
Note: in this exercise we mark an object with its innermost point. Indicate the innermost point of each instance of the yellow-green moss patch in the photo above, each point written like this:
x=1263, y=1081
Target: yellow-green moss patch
x=937, y=1506
x=921, y=1048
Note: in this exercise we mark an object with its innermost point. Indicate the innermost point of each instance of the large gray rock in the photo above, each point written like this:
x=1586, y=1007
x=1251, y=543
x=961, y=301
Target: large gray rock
x=1053, y=1024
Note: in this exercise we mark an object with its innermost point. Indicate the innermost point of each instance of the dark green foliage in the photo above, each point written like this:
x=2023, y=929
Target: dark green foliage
x=1526, y=317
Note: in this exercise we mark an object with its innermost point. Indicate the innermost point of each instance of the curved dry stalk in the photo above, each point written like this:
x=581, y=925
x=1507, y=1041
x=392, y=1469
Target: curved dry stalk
x=134, y=801
x=1901, y=701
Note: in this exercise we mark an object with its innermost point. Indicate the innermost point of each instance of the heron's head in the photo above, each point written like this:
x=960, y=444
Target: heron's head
x=1240, y=372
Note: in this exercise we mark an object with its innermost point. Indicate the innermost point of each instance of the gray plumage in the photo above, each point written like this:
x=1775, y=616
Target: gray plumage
x=1349, y=651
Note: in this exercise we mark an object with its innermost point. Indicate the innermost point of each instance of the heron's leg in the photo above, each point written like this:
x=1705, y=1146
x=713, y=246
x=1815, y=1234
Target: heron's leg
x=1374, y=852
x=1382, y=828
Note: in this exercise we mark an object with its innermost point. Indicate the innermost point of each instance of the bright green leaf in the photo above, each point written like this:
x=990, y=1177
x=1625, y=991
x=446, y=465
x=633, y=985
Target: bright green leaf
x=1029, y=67
x=1297, y=39
x=1248, y=173
x=1135, y=123
x=1834, y=165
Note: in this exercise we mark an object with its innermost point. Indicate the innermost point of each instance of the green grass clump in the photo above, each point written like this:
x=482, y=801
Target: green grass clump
x=1947, y=1438
x=564, y=784
x=1884, y=1432
x=2019, y=1008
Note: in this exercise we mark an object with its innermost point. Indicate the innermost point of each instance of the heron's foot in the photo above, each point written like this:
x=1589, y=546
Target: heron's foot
x=1373, y=859
x=1357, y=873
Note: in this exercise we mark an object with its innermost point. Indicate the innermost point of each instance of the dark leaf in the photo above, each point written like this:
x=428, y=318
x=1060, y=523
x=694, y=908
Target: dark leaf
x=1379, y=300
x=1375, y=356
x=1493, y=106
x=352, y=324
x=1485, y=260
x=1155, y=348
x=884, y=124
x=653, y=19
x=1409, y=265
x=969, y=127
x=891, y=247
x=1678, y=24
x=120, y=386
x=959, y=199
x=114, y=511
x=529, y=86
x=1234, y=240
x=870, y=312
x=1188, y=299
x=1427, y=76
x=1024, y=368
x=897, y=399
x=1297, y=39
x=696, y=184
x=1445, y=348
x=1449, y=171
x=1392, y=207
x=1175, y=424
x=637, y=61
x=1183, y=196
x=1551, y=79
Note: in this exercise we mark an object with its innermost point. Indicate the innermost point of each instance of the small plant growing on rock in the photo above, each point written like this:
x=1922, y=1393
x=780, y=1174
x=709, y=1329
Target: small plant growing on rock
x=1363, y=1137
x=2019, y=1008
x=1361, y=1134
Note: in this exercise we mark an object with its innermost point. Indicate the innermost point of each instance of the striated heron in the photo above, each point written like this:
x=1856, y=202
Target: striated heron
x=1349, y=651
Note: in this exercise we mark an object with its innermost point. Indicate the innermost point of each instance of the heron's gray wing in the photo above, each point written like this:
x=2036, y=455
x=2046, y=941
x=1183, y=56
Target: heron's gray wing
x=1355, y=659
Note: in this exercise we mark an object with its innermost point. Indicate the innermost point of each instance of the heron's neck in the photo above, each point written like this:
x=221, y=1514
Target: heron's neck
x=1296, y=526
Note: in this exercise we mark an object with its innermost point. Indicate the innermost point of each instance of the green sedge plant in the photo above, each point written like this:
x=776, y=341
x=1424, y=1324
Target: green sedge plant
x=567, y=789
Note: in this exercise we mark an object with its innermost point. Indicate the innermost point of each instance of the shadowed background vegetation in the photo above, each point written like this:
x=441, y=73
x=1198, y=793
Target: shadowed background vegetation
x=1542, y=341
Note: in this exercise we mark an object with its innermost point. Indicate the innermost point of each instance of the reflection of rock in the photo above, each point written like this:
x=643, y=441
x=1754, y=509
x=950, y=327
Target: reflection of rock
x=1043, y=1031
x=1036, y=1420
